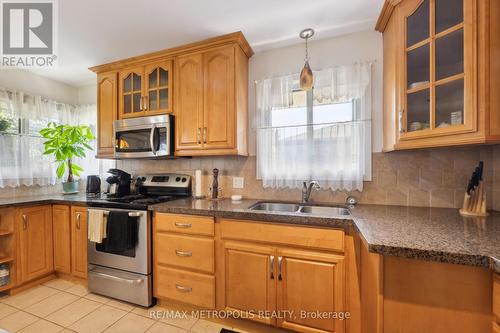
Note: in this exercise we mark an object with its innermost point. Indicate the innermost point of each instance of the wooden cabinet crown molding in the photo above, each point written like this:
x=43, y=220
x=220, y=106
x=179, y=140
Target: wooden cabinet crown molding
x=385, y=14
x=235, y=37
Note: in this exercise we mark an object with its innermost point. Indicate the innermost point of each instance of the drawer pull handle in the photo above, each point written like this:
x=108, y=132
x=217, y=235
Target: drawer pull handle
x=183, y=225
x=180, y=253
x=183, y=289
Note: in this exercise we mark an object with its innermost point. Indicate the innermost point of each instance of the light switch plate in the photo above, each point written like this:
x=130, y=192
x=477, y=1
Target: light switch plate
x=238, y=182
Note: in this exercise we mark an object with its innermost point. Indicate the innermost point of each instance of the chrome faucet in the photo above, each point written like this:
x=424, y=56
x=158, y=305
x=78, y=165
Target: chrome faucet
x=306, y=190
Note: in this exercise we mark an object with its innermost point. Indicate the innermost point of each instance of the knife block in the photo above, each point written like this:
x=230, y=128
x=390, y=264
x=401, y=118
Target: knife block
x=475, y=204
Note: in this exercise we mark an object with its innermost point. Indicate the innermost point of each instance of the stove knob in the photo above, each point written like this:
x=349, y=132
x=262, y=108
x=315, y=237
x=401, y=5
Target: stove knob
x=143, y=179
x=178, y=179
x=184, y=179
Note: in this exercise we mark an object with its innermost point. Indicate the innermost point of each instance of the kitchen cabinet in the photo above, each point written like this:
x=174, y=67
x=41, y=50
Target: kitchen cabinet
x=35, y=242
x=61, y=225
x=79, y=241
x=204, y=84
x=279, y=269
x=210, y=114
x=496, y=301
x=309, y=284
x=183, y=259
x=8, y=245
x=107, y=113
x=439, y=80
x=145, y=90
x=250, y=279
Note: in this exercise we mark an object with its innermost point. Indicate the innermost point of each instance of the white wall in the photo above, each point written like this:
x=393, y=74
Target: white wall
x=37, y=85
x=87, y=94
x=342, y=50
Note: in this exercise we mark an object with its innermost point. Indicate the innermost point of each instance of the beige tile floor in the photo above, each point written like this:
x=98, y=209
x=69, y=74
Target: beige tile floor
x=61, y=306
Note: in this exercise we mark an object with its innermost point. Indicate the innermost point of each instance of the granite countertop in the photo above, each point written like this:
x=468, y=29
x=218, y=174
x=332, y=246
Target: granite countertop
x=435, y=234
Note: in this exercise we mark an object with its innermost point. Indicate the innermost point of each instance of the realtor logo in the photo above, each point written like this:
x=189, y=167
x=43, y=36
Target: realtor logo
x=28, y=33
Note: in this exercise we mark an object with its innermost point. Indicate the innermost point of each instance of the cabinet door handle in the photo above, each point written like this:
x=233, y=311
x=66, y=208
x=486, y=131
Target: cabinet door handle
x=180, y=253
x=140, y=103
x=183, y=225
x=183, y=289
x=280, y=261
x=271, y=266
x=78, y=221
x=204, y=135
x=145, y=103
x=25, y=222
x=199, y=135
x=401, y=119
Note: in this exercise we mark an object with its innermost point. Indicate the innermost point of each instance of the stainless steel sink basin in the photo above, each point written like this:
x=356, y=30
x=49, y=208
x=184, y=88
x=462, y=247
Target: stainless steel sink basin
x=297, y=208
x=324, y=210
x=276, y=207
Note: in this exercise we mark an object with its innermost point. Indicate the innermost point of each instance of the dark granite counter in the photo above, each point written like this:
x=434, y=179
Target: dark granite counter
x=435, y=234
x=70, y=199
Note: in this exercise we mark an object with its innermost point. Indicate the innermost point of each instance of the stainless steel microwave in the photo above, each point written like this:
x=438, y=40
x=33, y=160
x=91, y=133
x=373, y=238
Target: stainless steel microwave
x=144, y=137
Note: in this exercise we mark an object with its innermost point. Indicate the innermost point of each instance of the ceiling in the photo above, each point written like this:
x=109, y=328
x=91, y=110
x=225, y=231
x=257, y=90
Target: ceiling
x=94, y=32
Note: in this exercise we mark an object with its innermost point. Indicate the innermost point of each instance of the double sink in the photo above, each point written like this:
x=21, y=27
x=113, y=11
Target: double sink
x=281, y=207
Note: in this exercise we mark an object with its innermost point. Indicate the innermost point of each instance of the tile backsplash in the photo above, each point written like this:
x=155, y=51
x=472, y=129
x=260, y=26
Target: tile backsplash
x=436, y=178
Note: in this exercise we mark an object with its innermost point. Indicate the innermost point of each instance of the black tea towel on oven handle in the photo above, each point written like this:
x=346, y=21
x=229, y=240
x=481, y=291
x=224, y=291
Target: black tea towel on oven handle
x=121, y=231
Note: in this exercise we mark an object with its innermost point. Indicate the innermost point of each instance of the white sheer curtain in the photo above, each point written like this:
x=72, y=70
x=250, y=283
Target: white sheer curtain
x=337, y=154
x=21, y=148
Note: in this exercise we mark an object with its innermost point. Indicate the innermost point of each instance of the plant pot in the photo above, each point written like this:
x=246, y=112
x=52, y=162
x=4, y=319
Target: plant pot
x=70, y=187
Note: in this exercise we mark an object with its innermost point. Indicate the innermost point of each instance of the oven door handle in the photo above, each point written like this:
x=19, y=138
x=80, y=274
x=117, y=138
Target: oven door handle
x=152, y=139
x=116, y=278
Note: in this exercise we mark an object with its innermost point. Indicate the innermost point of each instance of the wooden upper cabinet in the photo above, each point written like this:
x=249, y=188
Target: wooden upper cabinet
x=189, y=102
x=219, y=101
x=131, y=101
x=35, y=236
x=310, y=282
x=204, y=84
x=79, y=241
x=61, y=225
x=434, y=92
x=107, y=113
x=158, y=88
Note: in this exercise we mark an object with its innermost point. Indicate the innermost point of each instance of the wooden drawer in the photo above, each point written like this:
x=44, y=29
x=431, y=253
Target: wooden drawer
x=316, y=238
x=187, y=287
x=186, y=224
x=496, y=297
x=185, y=251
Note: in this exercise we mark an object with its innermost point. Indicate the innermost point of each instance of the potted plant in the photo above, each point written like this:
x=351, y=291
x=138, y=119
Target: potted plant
x=5, y=122
x=66, y=142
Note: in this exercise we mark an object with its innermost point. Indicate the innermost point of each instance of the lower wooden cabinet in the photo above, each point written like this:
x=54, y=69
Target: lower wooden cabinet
x=310, y=290
x=61, y=225
x=283, y=286
x=79, y=241
x=250, y=279
x=496, y=303
x=35, y=242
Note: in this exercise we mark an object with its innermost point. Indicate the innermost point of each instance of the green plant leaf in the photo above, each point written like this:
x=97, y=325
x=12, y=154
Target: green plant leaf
x=60, y=170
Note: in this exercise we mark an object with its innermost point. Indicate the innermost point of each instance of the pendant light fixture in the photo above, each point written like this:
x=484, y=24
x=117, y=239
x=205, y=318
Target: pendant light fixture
x=306, y=76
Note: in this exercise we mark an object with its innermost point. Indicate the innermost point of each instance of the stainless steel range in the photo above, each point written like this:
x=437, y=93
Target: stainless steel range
x=126, y=274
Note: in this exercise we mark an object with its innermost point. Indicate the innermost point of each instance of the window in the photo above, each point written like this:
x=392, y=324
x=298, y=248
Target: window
x=323, y=134
x=22, y=161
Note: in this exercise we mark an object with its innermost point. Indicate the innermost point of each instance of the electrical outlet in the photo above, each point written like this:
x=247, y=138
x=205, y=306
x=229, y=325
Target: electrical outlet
x=238, y=182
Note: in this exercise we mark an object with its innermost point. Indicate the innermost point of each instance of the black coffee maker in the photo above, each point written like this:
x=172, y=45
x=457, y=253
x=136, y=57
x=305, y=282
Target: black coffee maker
x=118, y=183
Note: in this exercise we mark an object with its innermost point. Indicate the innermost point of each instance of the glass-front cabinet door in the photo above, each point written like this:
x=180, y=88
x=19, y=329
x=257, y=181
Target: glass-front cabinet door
x=158, y=88
x=131, y=101
x=438, y=68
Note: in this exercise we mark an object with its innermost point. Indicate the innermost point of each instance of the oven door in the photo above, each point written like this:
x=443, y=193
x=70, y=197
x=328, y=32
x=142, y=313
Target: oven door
x=136, y=260
x=147, y=137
